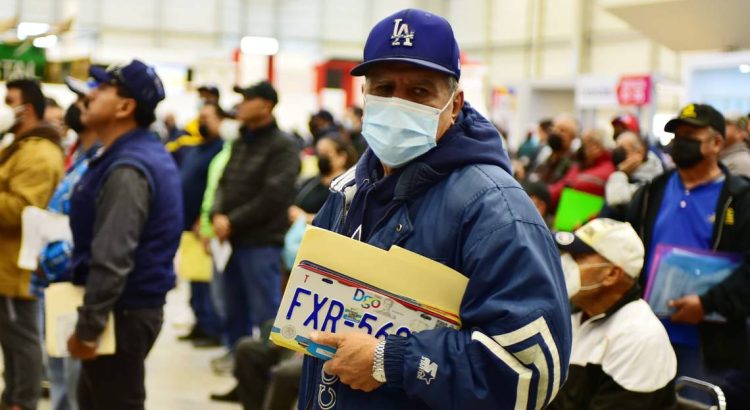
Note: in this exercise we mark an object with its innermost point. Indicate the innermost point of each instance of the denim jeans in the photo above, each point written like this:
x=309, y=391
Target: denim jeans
x=252, y=289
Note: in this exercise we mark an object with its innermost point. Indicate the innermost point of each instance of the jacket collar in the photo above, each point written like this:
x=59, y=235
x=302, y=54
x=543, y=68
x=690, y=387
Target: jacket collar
x=43, y=130
x=630, y=296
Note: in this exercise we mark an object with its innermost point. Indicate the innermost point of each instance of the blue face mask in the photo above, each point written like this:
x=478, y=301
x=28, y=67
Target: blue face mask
x=398, y=130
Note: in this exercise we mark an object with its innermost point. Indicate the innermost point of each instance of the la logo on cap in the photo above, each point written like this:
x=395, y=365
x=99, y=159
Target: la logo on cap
x=401, y=32
x=688, y=112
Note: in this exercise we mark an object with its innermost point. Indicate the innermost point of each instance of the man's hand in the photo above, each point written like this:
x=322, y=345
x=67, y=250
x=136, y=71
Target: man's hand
x=630, y=164
x=222, y=227
x=689, y=309
x=352, y=362
x=294, y=213
x=81, y=350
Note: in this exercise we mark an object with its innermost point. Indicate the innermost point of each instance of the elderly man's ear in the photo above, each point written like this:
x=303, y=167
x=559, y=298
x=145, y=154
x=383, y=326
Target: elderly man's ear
x=458, y=105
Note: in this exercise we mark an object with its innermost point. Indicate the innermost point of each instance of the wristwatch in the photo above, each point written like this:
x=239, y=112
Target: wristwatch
x=378, y=362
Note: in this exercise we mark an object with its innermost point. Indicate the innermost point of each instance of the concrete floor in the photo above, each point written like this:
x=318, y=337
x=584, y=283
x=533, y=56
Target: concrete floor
x=179, y=376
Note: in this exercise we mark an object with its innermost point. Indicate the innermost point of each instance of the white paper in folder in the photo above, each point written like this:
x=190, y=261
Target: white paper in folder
x=61, y=302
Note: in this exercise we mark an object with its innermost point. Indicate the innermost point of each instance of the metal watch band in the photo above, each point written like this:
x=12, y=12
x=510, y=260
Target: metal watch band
x=378, y=364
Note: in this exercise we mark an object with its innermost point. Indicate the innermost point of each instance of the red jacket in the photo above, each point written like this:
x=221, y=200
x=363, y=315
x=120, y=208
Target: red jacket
x=591, y=180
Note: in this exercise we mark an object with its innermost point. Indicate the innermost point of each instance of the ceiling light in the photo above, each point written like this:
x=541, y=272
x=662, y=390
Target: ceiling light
x=265, y=46
x=27, y=29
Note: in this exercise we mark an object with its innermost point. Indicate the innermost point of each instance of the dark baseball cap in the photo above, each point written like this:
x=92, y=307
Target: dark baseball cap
x=413, y=36
x=699, y=115
x=209, y=88
x=263, y=90
x=139, y=79
x=324, y=115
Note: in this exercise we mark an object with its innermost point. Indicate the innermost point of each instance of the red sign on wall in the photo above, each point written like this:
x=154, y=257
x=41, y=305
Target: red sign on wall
x=634, y=90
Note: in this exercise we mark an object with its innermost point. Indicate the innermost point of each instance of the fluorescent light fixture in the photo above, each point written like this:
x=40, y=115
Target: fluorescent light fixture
x=745, y=68
x=46, y=41
x=27, y=29
x=265, y=46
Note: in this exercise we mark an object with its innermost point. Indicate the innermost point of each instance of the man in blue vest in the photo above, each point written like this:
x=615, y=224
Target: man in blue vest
x=126, y=219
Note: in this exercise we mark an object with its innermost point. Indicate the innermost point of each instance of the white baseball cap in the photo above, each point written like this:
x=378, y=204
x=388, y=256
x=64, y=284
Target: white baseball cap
x=613, y=240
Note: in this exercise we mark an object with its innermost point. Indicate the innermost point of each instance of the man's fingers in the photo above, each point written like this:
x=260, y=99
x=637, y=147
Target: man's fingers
x=326, y=338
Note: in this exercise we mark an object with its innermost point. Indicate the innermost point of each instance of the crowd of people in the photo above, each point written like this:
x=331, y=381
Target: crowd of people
x=551, y=317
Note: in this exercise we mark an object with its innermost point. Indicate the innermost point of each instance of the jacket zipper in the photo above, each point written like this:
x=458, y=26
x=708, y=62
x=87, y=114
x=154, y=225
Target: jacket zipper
x=720, y=232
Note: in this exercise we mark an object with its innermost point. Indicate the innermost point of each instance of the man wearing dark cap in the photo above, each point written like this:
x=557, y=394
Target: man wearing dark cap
x=700, y=205
x=64, y=372
x=322, y=125
x=250, y=211
x=437, y=181
x=126, y=219
x=209, y=94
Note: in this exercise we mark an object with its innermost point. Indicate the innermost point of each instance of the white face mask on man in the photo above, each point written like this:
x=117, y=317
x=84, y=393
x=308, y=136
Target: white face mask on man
x=229, y=130
x=398, y=130
x=572, y=271
x=8, y=117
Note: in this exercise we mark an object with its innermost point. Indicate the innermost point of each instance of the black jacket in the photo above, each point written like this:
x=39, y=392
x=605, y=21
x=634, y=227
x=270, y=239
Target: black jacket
x=723, y=345
x=257, y=186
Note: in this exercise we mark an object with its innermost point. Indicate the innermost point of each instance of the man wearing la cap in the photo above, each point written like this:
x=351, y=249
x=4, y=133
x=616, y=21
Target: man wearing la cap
x=249, y=211
x=126, y=219
x=621, y=354
x=437, y=182
x=701, y=205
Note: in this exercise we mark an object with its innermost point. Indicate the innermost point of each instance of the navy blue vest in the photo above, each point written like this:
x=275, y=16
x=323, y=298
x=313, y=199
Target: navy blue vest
x=153, y=274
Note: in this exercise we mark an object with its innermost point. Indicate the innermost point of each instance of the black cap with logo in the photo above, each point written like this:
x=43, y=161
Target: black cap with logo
x=699, y=115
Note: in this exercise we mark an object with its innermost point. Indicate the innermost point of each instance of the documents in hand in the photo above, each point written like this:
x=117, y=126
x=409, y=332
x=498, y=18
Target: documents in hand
x=676, y=272
x=194, y=264
x=39, y=228
x=61, y=302
x=341, y=285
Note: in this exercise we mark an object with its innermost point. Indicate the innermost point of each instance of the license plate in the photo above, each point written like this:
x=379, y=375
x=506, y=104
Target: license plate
x=317, y=299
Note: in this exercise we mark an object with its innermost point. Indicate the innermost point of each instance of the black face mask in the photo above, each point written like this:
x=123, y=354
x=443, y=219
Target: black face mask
x=619, y=155
x=73, y=119
x=686, y=152
x=324, y=165
x=555, y=141
x=203, y=130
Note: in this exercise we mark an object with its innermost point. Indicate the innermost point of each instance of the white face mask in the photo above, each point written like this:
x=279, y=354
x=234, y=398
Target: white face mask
x=572, y=271
x=398, y=130
x=7, y=118
x=229, y=130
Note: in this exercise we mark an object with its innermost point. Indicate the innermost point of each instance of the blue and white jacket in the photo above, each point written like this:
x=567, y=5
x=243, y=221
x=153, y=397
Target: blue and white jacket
x=459, y=205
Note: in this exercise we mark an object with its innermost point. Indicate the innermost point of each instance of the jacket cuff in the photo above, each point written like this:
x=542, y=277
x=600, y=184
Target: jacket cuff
x=395, y=350
x=89, y=328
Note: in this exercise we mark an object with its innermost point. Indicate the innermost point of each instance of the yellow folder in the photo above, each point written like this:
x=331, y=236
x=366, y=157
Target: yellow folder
x=61, y=302
x=396, y=270
x=193, y=263
x=435, y=288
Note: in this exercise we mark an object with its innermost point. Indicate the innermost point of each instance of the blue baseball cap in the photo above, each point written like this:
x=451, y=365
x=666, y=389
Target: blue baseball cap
x=413, y=36
x=138, y=78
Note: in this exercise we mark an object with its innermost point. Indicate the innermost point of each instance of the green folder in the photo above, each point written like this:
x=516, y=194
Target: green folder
x=576, y=208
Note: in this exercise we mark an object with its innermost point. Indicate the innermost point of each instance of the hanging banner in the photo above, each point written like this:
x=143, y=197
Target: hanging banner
x=21, y=60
